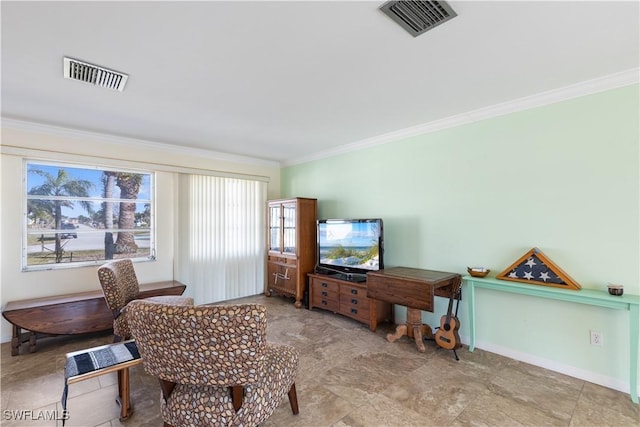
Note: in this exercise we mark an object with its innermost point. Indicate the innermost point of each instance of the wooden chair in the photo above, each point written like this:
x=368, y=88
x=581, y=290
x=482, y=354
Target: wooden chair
x=213, y=362
x=120, y=286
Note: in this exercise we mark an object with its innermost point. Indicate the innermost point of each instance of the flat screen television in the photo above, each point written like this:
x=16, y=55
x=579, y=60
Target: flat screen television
x=350, y=247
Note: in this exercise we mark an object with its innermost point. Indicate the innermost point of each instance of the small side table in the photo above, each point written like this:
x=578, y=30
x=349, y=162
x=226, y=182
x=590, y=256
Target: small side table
x=92, y=362
x=630, y=303
x=414, y=288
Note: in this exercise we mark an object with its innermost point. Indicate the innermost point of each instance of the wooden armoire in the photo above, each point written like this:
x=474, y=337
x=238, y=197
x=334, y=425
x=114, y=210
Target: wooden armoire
x=291, y=246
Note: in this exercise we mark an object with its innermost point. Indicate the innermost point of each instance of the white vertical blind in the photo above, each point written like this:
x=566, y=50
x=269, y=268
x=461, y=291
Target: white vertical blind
x=221, y=242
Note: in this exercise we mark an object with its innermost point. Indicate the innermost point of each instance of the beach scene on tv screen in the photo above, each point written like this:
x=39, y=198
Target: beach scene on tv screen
x=354, y=245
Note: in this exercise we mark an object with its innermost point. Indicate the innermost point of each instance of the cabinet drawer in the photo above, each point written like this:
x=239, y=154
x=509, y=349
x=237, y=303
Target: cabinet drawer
x=361, y=302
x=325, y=303
x=324, y=284
x=354, y=291
x=282, y=260
x=327, y=293
x=355, y=308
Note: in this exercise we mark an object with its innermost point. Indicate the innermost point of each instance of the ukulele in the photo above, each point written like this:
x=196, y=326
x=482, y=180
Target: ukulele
x=447, y=335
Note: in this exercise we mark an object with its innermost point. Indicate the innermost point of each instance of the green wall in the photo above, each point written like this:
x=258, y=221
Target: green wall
x=563, y=177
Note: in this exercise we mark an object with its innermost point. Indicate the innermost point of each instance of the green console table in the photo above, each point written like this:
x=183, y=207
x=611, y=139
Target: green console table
x=631, y=303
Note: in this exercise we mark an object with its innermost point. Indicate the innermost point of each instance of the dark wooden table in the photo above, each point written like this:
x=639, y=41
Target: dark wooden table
x=70, y=314
x=414, y=288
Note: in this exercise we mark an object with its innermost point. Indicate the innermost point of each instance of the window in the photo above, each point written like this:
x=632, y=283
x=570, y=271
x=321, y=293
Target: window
x=82, y=215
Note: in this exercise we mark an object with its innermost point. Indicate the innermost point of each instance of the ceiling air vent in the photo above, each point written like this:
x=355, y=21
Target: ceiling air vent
x=418, y=17
x=94, y=74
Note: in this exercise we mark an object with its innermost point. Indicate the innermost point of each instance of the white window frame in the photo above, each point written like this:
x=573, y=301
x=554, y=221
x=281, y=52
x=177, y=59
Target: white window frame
x=96, y=198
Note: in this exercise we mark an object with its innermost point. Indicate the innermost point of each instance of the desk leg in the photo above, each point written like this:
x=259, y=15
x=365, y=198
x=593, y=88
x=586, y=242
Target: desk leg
x=400, y=331
x=413, y=329
x=634, y=318
x=15, y=340
x=471, y=302
x=32, y=342
x=124, y=394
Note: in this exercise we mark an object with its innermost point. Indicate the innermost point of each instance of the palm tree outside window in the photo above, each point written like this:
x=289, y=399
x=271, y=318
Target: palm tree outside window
x=82, y=215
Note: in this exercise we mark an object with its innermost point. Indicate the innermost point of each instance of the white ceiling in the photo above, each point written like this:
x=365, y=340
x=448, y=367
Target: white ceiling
x=286, y=80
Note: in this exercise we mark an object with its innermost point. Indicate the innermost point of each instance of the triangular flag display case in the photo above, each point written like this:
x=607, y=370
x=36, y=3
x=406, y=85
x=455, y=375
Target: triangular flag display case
x=535, y=268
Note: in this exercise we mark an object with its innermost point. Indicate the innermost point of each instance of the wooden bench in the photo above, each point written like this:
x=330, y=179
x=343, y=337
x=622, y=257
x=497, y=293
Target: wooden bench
x=71, y=314
x=92, y=362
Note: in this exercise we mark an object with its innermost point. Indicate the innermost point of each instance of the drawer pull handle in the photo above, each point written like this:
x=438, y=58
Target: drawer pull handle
x=324, y=285
x=354, y=291
x=324, y=293
x=354, y=311
x=324, y=302
x=354, y=301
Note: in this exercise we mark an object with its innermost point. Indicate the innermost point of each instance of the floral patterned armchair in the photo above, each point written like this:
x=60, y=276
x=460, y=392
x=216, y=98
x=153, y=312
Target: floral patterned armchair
x=213, y=362
x=120, y=286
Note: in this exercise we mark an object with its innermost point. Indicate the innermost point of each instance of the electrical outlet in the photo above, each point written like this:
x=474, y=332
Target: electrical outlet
x=596, y=338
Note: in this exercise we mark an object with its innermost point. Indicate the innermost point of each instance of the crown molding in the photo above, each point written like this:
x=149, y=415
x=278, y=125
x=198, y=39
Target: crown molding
x=588, y=87
x=613, y=81
x=29, y=126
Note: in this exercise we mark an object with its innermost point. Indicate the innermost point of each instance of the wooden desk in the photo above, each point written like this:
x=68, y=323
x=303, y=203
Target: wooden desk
x=70, y=314
x=631, y=303
x=414, y=288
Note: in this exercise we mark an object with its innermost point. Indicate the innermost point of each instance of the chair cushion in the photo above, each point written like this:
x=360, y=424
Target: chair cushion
x=171, y=299
x=121, y=324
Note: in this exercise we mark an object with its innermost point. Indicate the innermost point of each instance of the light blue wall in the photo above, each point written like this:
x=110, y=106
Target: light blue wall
x=563, y=178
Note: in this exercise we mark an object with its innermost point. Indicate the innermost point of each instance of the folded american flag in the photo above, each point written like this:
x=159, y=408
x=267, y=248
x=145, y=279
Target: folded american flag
x=534, y=267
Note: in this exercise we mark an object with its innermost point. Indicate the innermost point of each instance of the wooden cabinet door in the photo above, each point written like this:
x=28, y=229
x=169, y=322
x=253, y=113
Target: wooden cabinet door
x=275, y=227
x=282, y=278
x=289, y=228
x=283, y=227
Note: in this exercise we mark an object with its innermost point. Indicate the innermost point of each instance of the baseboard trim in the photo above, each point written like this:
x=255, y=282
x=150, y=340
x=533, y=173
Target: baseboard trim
x=552, y=365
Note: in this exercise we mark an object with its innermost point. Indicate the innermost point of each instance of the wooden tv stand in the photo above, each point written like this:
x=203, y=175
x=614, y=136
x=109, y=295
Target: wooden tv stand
x=347, y=298
x=71, y=314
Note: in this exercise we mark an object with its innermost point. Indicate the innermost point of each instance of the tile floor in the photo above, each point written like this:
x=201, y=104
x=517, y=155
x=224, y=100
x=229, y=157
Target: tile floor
x=348, y=376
